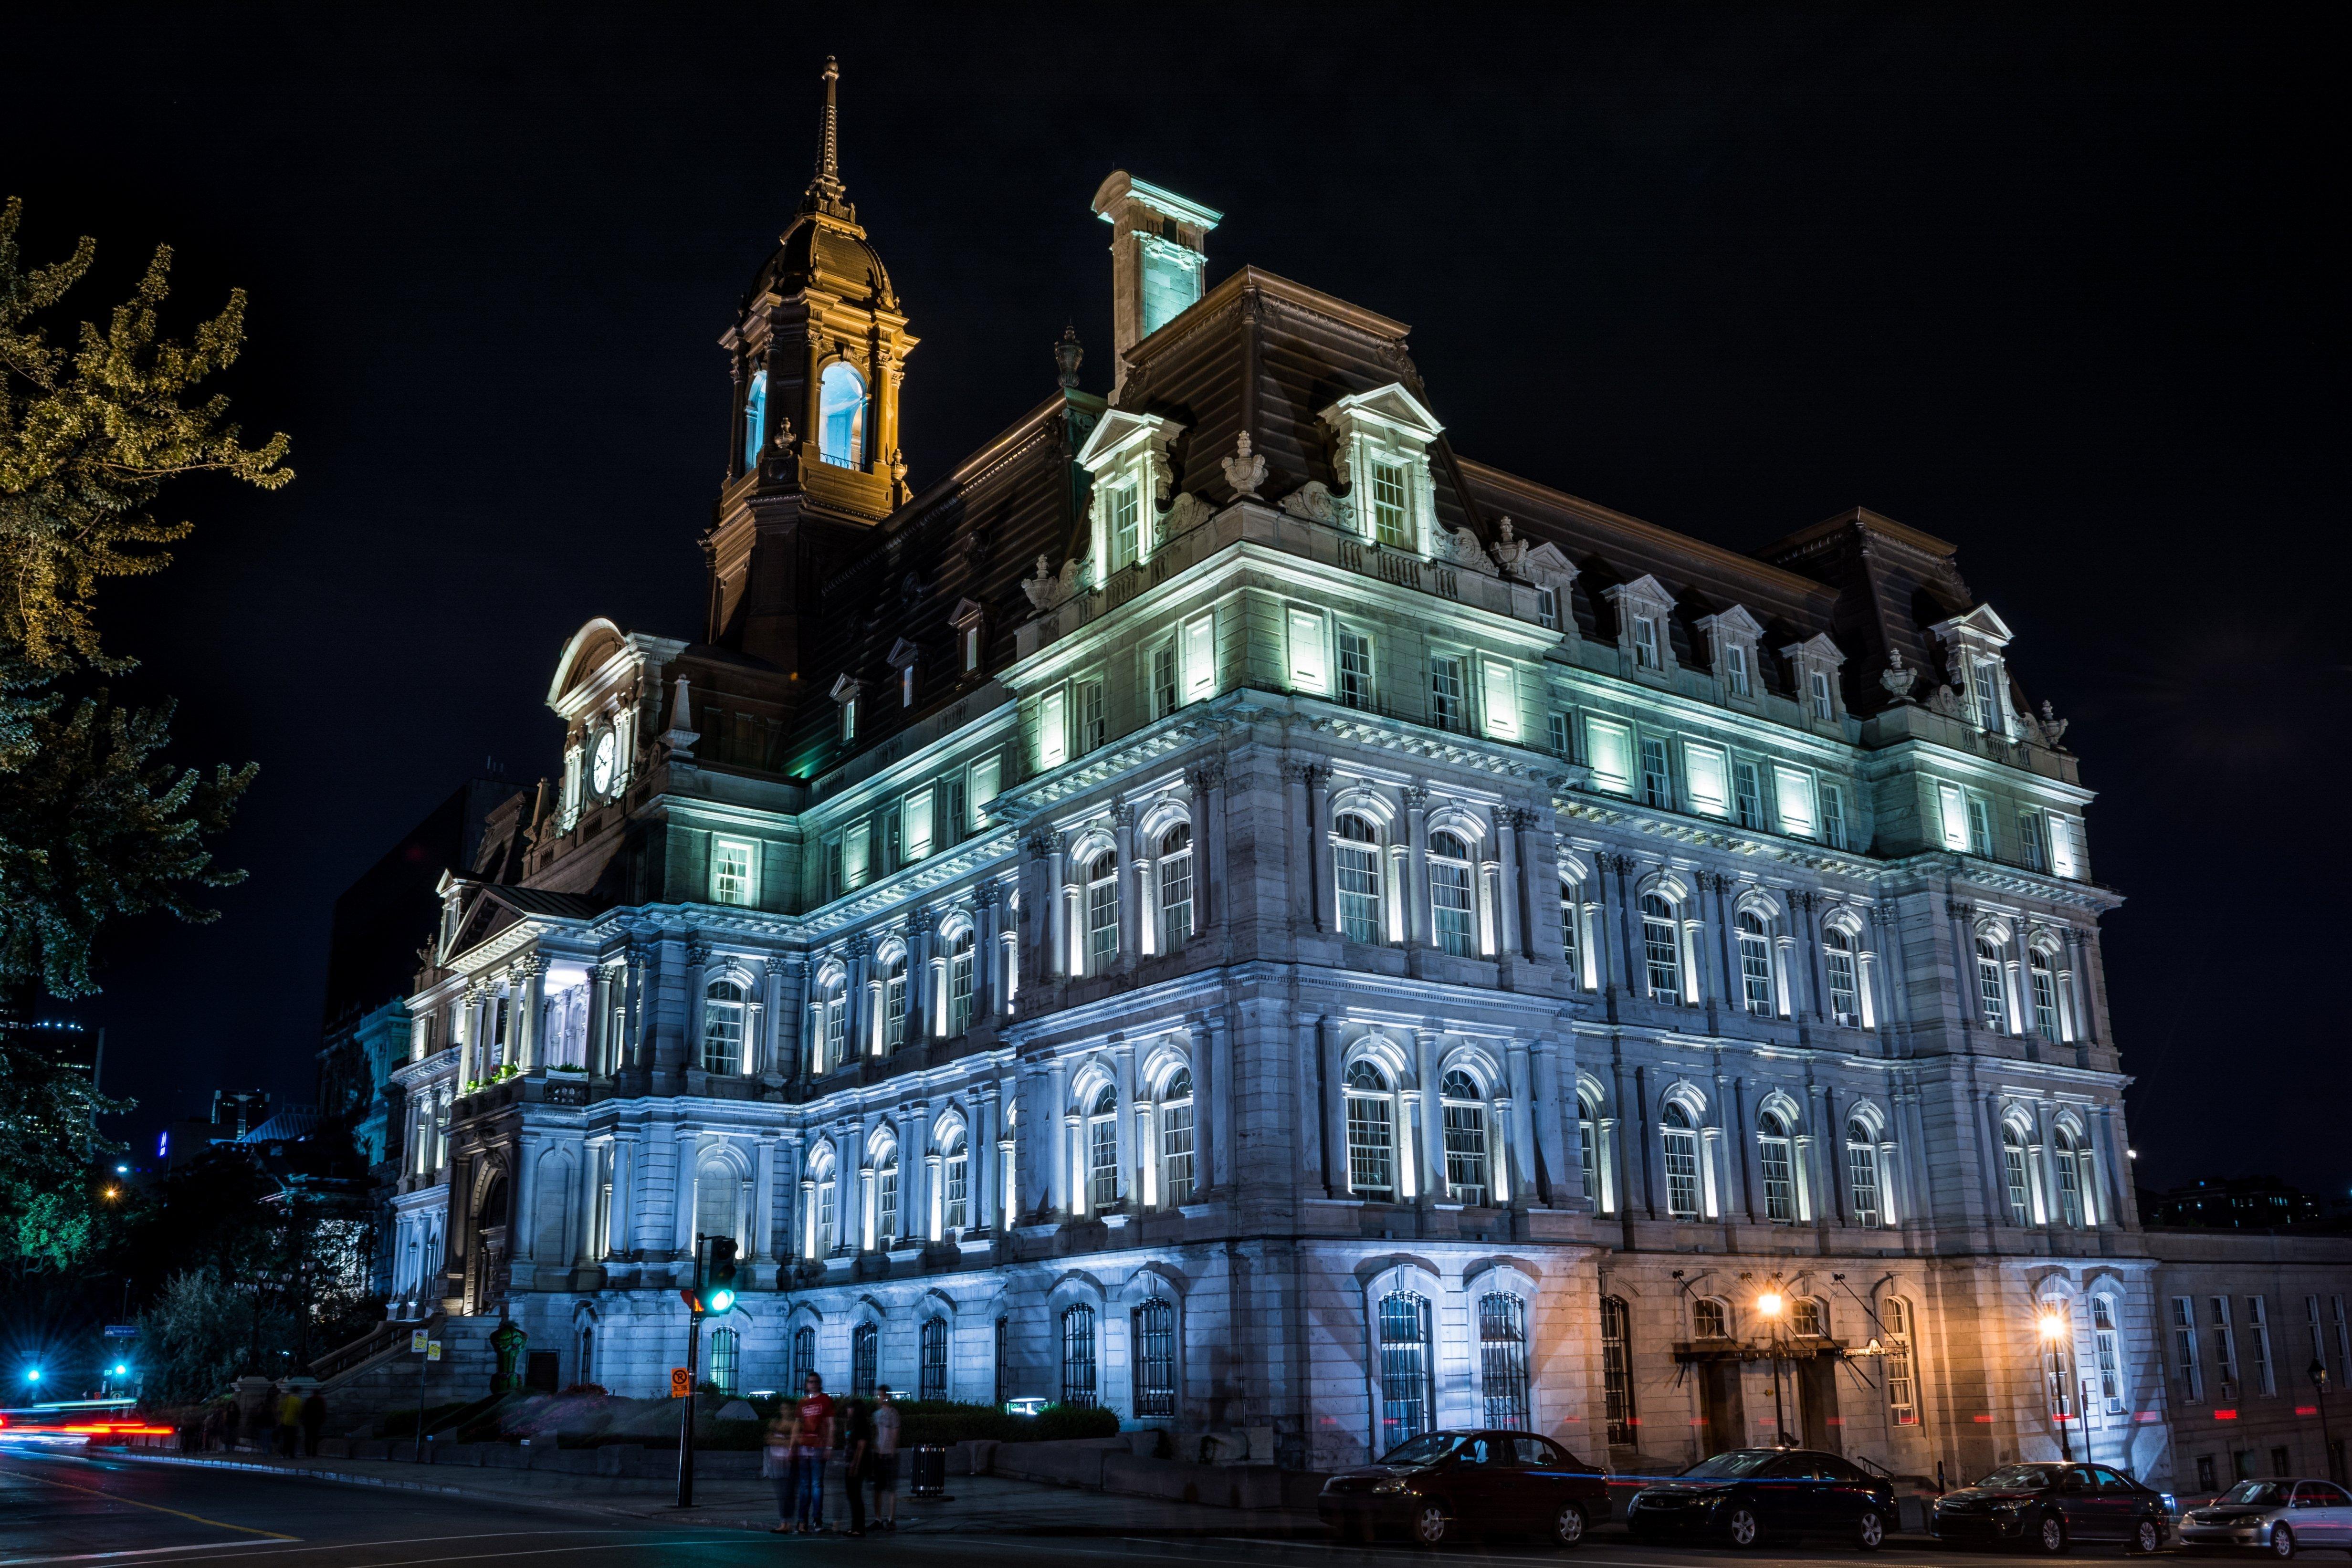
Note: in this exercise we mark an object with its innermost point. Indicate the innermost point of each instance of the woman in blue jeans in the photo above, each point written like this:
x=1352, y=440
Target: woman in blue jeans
x=811, y=1442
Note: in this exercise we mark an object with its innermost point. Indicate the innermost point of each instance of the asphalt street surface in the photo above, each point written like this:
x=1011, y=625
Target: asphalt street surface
x=58, y=1506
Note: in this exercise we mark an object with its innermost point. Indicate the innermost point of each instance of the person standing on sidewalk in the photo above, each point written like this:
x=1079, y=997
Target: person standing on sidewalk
x=857, y=1444
x=777, y=1462
x=882, y=1464
x=810, y=1443
x=290, y=1423
x=314, y=1419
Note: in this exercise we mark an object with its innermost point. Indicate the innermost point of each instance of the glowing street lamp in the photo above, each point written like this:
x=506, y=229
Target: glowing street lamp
x=1774, y=1306
x=2053, y=1326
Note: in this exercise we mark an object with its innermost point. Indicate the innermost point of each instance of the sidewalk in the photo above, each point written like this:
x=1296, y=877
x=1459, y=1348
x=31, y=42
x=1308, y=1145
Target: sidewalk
x=989, y=1505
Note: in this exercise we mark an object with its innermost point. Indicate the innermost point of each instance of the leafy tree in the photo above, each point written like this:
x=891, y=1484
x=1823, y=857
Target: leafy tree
x=93, y=825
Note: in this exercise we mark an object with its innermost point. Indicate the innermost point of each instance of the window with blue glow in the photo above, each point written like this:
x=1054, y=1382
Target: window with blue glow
x=840, y=417
x=755, y=420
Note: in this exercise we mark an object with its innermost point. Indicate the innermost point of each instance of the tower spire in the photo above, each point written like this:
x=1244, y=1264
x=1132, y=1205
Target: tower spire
x=825, y=192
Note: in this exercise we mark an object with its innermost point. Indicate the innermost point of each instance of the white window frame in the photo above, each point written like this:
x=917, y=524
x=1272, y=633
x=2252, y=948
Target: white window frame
x=748, y=892
x=1309, y=638
x=1608, y=751
x=1200, y=660
x=1353, y=685
x=1706, y=776
x=1498, y=693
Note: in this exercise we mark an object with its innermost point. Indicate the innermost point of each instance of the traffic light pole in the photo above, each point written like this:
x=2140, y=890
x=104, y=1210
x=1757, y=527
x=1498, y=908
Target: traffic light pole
x=685, y=1422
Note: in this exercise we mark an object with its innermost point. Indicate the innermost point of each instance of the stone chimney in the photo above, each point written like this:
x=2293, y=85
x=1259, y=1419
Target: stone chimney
x=1158, y=252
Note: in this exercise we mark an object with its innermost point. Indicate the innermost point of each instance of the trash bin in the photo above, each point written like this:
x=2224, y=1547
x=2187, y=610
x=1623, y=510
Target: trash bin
x=931, y=1477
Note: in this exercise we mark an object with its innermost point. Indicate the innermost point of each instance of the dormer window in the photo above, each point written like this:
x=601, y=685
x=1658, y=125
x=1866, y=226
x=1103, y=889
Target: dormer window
x=907, y=686
x=1735, y=671
x=1984, y=692
x=1819, y=683
x=1643, y=636
x=1977, y=667
x=755, y=420
x=1127, y=456
x=1645, y=641
x=848, y=720
x=1119, y=501
x=967, y=618
x=841, y=415
x=1381, y=453
x=1813, y=666
x=848, y=695
x=970, y=649
x=1548, y=608
x=1391, y=519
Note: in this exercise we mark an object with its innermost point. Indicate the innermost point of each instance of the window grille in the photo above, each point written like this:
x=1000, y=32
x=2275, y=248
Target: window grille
x=1571, y=917
x=1445, y=692
x=1449, y=893
x=827, y=1216
x=1176, y=1139
x=1819, y=683
x=1833, y=816
x=959, y=958
x=2105, y=1347
x=1465, y=1140
x=2184, y=1351
x=1708, y=1320
x=722, y=1028
x=1588, y=1152
x=1986, y=688
x=1780, y=1170
x=1163, y=680
x=1102, y=912
x=933, y=1382
x=1503, y=1360
x=1102, y=1152
x=1682, y=1164
x=2013, y=1169
x=1175, y=888
x=1979, y=829
x=999, y=1364
x=1748, y=791
x=731, y=873
x=1389, y=521
x=2225, y=1348
x=1371, y=1141
x=2031, y=827
x=955, y=1206
x=1405, y=1393
x=1548, y=608
x=894, y=1006
x=1993, y=999
x=1862, y=1172
x=1560, y=735
x=1091, y=726
x=1078, y=1356
x=865, y=1359
x=1844, y=994
x=755, y=419
x=1756, y=965
x=1805, y=1318
x=1902, y=1392
x=1155, y=1358
x=1734, y=667
x=804, y=1360
x=1617, y=1372
x=1123, y=528
x=2045, y=994
x=1645, y=641
x=837, y=1028
x=726, y=1352
x=1357, y=861
x=1662, y=949
x=2070, y=1181
x=885, y=1202
x=1355, y=668
x=1657, y=785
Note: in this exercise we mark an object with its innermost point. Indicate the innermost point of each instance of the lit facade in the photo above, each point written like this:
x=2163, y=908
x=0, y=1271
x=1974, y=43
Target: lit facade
x=1221, y=907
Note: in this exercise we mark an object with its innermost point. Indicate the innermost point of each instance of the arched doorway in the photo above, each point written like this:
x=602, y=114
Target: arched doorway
x=486, y=1258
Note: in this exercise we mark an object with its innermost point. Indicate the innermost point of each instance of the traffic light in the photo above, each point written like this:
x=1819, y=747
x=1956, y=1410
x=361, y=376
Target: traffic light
x=719, y=1282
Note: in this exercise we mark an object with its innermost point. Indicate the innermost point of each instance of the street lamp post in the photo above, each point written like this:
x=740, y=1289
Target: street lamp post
x=1774, y=1306
x=2318, y=1375
x=2053, y=1326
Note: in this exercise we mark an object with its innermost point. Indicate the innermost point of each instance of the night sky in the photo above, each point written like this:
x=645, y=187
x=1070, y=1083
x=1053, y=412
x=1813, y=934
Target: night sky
x=2052, y=283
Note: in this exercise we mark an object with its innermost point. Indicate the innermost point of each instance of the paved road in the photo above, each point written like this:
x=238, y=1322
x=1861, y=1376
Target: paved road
x=58, y=1506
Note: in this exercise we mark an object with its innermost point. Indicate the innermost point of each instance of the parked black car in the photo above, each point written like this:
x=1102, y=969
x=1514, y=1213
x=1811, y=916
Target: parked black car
x=2049, y=1506
x=1442, y=1484
x=1743, y=1495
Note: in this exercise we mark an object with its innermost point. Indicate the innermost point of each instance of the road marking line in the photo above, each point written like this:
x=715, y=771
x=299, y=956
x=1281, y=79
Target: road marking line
x=717, y=1538
x=159, y=1508
x=284, y=1551
x=139, y=1552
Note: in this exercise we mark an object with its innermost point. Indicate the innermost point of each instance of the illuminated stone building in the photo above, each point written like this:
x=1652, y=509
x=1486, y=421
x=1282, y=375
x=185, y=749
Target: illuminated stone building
x=1222, y=905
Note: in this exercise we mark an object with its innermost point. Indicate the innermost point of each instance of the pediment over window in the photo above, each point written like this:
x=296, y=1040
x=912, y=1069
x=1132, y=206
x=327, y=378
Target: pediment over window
x=1734, y=623
x=1390, y=408
x=1547, y=566
x=903, y=653
x=965, y=614
x=1120, y=433
x=1816, y=649
x=1979, y=627
x=1644, y=591
x=847, y=689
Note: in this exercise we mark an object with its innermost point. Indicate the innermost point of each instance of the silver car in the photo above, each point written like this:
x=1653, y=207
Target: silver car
x=2280, y=1517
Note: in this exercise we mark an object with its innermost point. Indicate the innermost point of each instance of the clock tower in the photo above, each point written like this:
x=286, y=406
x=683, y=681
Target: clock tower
x=816, y=354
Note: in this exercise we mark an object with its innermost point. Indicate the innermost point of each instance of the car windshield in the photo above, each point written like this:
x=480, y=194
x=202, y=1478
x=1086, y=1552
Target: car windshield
x=2033, y=1478
x=1731, y=1465
x=1425, y=1450
x=2268, y=1494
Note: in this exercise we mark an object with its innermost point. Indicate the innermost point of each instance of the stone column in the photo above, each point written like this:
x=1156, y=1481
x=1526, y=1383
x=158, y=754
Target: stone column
x=1433, y=1117
x=1419, y=929
x=1040, y=886
x=682, y=1190
x=1629, y=921
x=1297, y=820
x=860, y=1037
x=1306, y=1132
x=534, y=1011
x=1221, y=1052
x=1510, y=894
x=600, y=1005
x=2046, y=1124
x=1556, y=1116
x=626, y=1194
x=636, y=1005
x=1208, y=1118
x=585, y=1247
x=775, y=1006
x=1197, y=814
x=1122, y=1056
x=1337, y=1179
x=1606, y=935
x=1131, y=884
x=1214, y=771
x=1318, y=839
x=1963, y=965
x=1056, y=1126
x=980, y=1149
x=985, y=950
x=1523, y=1124
x=1828, y=1135
x=523, y=1230
x=698, y=968
x=1805, y=999
x=763, y=1201
x=1635, y=1184
x=922, y=935
x=1056, y=875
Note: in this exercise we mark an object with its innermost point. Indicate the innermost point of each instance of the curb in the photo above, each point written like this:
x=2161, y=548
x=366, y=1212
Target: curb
x=385, y=1483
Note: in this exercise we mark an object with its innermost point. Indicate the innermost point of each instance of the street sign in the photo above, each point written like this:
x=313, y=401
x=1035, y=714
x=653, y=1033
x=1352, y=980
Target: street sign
x=122, y=1330
x=417, y=1340
x=681, y=1382
x=433, y=1350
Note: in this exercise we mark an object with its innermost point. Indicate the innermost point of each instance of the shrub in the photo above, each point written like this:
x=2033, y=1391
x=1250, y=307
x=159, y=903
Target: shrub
x=1060, y=1422
x=936, y=1423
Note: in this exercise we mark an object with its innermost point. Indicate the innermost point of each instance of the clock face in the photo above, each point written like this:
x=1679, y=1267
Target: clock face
x=600, y=765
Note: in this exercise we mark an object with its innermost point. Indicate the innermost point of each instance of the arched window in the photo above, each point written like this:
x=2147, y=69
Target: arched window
x=1617, y=1371
x=1405, y=1394
x=832, y=1011
x=1503, y=1359
x=586, y=1370
x=1662, y=949
x=1571, y=932
x=1805, y=1319
x=894, y=1004
x=1176, y=1138
x=1588, y=1147
x=1902, y=1387
x=959, y=981
x=2069, y=1162
x=1465, y=1139
x=1102, y=912
x=1449, y=895
x=1861, y=1171
x=933, y=1382
x=716, y=1189
x=1078, y=1355
x=1708, y=1320
x=1356, y=852
x=955, y=1167
x=1154, y=1324
x=2045, y=994
x=1682, y=1161
x=1371, y=1138
x=886, y=1198
x=865, y=1359
x=1102, y=1150
x=1175, y=887
x=755, y=419
x=840, y=417
x=825, y=1231
x=726, y=1359
x=722, y=1028
x=2013, y=1171
x=1845, y=996
x=1756, y=965
x=1992, y=1000
x=2106, y=1354
x=1773, y=1153
x=803, y=1357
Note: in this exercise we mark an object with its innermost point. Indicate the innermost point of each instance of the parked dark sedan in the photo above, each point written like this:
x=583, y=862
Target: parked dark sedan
x=1743, y=1495
x=2049, y=1506
x=1442, y=1484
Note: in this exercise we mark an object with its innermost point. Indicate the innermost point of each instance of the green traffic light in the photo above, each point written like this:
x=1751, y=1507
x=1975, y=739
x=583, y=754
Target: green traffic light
x=719, y=1299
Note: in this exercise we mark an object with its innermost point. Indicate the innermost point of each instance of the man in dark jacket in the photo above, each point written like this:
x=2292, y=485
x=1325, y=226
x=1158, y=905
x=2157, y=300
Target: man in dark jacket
x=857, y=1444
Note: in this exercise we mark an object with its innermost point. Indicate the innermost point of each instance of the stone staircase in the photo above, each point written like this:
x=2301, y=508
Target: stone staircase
x=378, y=1374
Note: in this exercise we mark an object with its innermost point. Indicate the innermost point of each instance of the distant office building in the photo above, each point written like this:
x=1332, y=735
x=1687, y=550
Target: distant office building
x=2237, y=1203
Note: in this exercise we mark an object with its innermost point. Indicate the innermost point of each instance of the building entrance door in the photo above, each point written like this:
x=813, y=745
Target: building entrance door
x=1818, y=1398
x=1720, y=1407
